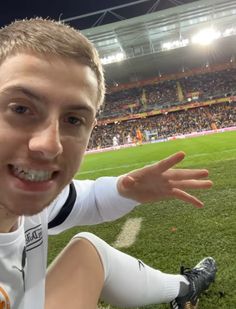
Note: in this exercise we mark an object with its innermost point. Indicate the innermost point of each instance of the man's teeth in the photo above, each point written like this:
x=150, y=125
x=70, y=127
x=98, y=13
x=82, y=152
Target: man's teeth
x=31, y=175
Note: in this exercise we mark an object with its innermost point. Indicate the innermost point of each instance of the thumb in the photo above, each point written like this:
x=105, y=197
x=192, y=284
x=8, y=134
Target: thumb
x=124, y=184
x=128, y=182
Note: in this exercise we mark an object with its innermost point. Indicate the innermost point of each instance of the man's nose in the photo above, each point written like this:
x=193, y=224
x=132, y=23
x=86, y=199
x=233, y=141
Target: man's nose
x=46, y=142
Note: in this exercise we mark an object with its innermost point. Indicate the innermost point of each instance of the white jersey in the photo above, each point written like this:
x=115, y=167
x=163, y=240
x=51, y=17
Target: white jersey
x=23, y=253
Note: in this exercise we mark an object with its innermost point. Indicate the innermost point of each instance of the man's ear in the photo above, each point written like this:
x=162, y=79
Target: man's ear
x=95, y=122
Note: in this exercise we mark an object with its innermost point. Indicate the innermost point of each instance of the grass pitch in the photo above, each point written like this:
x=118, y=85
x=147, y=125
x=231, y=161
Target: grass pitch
x=174, y=232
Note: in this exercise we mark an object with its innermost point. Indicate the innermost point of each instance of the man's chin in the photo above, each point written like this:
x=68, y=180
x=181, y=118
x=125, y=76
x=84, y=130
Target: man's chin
x=26, y=210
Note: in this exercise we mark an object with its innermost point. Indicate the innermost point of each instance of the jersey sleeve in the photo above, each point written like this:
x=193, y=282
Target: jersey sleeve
x=88, y=202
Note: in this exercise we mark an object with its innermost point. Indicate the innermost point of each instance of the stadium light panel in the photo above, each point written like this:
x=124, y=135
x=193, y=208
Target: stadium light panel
x=229, y=32
x=175, y=44
x=206, y=36
x=113, y=58
x=203, y=37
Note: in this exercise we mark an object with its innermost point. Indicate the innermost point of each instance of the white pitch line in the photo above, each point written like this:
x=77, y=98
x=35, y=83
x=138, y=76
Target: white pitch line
x=150, y=162
x=116, y=167
x=129, y=233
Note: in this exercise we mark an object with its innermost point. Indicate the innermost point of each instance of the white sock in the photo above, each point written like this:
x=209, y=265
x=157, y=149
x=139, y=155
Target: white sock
x=131, y=283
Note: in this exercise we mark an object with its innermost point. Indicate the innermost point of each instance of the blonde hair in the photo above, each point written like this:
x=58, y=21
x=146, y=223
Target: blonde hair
x=46, y=36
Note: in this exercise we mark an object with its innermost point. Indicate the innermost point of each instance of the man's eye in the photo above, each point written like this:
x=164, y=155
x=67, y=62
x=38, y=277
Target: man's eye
x=19, y=109
x=74, y=120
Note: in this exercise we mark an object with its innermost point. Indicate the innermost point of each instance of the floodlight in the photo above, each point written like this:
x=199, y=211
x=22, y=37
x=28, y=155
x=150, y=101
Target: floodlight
x=206, y=36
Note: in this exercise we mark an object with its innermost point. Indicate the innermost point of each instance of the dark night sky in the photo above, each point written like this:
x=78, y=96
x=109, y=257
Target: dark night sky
x=17, y=9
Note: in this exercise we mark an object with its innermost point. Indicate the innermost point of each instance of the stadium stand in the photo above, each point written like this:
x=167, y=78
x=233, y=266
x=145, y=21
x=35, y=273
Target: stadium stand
x=189, y=104
x=168, y=73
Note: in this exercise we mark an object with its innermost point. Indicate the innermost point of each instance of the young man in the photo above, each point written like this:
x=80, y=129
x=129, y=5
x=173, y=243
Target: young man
x=51, y=86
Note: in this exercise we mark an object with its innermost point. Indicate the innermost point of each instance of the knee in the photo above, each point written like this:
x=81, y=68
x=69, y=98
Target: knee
x=85, y=235
x=103, y=249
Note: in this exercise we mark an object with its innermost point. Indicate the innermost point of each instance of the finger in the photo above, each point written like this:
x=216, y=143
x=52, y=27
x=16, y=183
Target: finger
x=179, y=174
x=188, y=198
x=192, y=184
x=169, y=162
x=162, y=165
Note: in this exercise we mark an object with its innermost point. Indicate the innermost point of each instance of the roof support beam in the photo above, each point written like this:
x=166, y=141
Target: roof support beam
x=104, y=11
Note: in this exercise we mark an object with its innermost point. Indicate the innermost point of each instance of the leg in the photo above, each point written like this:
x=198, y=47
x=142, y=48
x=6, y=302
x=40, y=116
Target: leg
x=129, y=282
x=75, y=278
x=89, y=267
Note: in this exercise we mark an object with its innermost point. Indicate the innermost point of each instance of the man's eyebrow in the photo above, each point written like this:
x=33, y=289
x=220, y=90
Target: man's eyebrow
x=25, y=91
x=79, y=106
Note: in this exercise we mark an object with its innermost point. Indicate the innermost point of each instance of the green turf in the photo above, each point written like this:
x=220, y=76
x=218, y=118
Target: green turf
x=199, y=232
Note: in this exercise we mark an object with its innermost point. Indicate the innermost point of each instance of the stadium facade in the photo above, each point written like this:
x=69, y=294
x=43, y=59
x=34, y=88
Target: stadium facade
x=162, y=42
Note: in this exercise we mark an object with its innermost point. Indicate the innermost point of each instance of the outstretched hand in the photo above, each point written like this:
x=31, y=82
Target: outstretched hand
x=161, y=181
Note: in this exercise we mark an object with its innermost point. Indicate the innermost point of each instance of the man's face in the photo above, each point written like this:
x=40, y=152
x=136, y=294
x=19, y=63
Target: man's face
x=47, y=112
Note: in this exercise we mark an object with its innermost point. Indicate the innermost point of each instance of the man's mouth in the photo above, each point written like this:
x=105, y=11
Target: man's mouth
x=31, y=175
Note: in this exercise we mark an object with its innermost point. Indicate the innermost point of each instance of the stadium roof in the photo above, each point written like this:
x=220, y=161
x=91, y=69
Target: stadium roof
x=160, y=42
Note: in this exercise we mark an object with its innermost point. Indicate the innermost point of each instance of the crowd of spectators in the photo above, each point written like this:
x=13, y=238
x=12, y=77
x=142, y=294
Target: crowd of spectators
x=211, y=85
x=168, y=93
x=163, y=95
x=138, y=100
x=161, y=126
